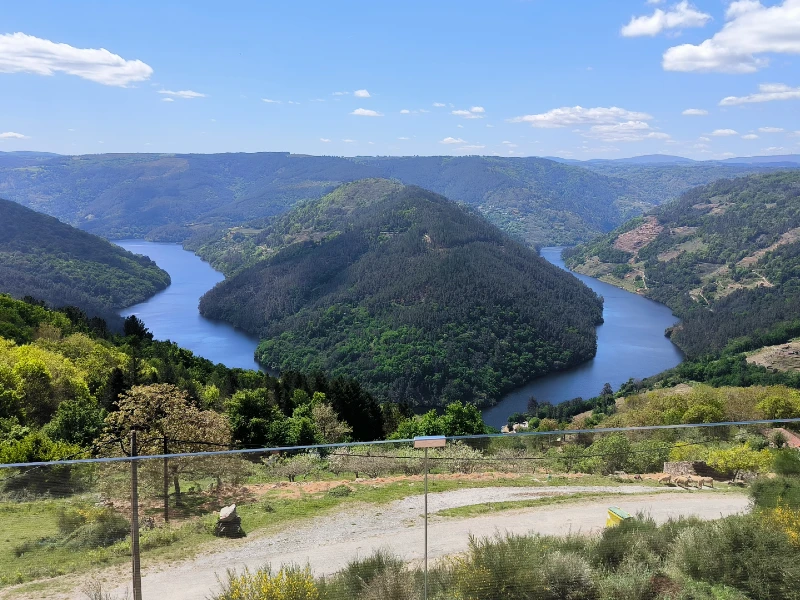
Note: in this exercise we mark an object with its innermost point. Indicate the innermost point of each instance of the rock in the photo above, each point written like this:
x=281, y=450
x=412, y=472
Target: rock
x=229, y=524
x=227, y=514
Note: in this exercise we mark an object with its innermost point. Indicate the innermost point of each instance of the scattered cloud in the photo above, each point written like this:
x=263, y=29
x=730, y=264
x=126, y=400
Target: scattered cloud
x=168, y=99
x=627, y=131
x=403, y=138
x=774, y=150
x=12, y=135
x=473, y=113
x=460, y=126
x=489, y=125
x=750, y=136
x=767, y=92
x=452, y=140
x=405, y=111
x=292, y=102
x=324, y=140
x=751, y=30
x=439, y=104
x=185, y=94
x=724, y=132
x=567, y=116
x=317, y=100
x=361, y=94
x=771, y=129
x=704, y=139
x=366, y=112
x=348, y=141
x=695, y=112
x=21, y=53
x=680, y=16
x=472, y=147
x=340, y=93
x=269, y=101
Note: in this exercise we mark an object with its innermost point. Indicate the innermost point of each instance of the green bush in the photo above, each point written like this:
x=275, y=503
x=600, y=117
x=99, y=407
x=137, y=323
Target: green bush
x=740, y=552
x=359, y=574
x=786, y=462
x=289, y=583
x=340, y=491
x=780, y=491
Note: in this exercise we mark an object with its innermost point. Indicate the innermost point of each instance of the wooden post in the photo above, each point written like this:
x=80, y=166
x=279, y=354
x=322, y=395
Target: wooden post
x=135, y=560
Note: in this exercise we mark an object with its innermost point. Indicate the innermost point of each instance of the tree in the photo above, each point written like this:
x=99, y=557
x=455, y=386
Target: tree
x=740, y=459
x=167, y=423
x=9, y=394
x=607, y=390
x=35, y=390
x=327, y=423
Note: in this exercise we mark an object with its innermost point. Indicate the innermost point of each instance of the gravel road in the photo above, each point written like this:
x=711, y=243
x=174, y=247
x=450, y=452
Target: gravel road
x=329, y=542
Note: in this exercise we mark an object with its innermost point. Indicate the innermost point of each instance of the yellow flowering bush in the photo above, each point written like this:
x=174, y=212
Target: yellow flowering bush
x=787, y=520
x=289, y=583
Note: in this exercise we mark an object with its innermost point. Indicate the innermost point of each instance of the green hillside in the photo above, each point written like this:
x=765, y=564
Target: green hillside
x=725, y=257
x=52, y=261
x=405, y=291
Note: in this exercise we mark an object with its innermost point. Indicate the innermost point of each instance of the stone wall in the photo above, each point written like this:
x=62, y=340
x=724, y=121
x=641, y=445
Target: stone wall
x=680, y=468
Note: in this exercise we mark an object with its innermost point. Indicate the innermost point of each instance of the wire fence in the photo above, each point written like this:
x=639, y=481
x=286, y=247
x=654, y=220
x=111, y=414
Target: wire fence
x=685, y=511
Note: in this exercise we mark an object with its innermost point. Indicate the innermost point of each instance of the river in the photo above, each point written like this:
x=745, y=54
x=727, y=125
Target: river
x=630, y=343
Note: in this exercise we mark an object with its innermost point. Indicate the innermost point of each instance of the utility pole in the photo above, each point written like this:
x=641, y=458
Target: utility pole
x=425, y=442
x=166, y=482
x=135, y=560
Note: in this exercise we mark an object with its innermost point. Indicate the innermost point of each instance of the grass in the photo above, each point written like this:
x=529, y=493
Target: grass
x=475, y=510
x=31, y=521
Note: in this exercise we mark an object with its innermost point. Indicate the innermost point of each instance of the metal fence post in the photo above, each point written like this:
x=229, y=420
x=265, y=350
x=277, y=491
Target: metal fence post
x=166, y=482
x=428, y=441
x=135, y=560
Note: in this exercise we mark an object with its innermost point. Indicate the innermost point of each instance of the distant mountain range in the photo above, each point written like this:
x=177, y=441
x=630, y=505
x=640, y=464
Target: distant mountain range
x=175, y=197
x=666, y=159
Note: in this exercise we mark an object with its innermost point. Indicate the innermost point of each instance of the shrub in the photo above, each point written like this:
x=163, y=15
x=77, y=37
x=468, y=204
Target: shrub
x=772, y=493
x=85, y=526
x=340, y=491
x=786, y=462
x=290, y=583
x=741, y=552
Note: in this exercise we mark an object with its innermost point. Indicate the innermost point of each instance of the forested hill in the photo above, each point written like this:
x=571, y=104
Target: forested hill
x=411, y=295
x=725, y=257
x=52, y=261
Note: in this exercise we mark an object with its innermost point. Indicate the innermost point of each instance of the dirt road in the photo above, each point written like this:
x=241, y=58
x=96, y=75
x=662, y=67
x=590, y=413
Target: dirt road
x=328, y=543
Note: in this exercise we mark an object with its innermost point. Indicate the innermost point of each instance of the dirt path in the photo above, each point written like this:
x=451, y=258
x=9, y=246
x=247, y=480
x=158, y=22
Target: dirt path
x=328, y=543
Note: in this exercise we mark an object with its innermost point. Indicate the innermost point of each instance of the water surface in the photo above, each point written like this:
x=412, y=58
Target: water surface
x=172, y=314
x=630, y=343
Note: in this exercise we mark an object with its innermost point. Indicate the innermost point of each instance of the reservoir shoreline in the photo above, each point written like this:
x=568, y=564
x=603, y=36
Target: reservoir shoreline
x=630, y=342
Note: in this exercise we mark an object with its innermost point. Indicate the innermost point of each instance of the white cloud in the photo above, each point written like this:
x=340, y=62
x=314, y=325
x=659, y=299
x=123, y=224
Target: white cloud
x=168, y=99
x=292, y=102
x=751, y=31
x=490, y=125
x=704, y=139
x=340, y=93
x=577, y=115
x=750, y=136
x=771, y=129
x=405, y=111
x=472, y=147
x=317, y=100
x=767, y=92
x=628, y=131
x=348, y=141
x=472, y=113
x=366, y=112
x=695, y=112
x=324, y=140
x=269, y=101
x=12, y=135
x=460, y=126
x=186, y=94
x=402, y=138
x=439, y=104
x=21, y=53
x=774, y=150
x=361, y=94
x=422, y=110
x=680, y=16
x=452, y=140
x=724, y=132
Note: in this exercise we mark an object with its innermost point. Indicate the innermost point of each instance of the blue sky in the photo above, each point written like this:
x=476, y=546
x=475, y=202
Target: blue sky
x=573, y=78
